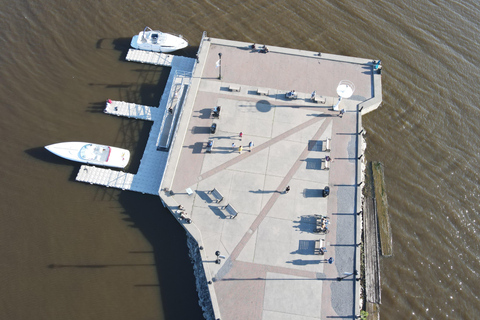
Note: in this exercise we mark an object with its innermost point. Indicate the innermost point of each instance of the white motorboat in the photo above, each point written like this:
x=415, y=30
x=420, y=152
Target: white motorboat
x=154, y=40
x=91, y=153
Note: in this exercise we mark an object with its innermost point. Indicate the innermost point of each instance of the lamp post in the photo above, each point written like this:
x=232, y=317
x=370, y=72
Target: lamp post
x=220, y=66
x=347, y=274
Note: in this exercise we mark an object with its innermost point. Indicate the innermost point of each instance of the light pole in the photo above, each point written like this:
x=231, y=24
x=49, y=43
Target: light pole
x=347, y=274
x=220, y=66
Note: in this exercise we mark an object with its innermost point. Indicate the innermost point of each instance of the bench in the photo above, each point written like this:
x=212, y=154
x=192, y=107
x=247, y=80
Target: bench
x=231, y=210
x=209, y=146
x=216, y=112
x=320, y=99
x=326, y=144
x=325, y=164
x=234, y=87
x=320, y=246
x=263, y=92
x=216, y=194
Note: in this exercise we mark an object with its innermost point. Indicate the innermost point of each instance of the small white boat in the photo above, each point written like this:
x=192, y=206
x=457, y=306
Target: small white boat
x=154, y=40
x=91, y=153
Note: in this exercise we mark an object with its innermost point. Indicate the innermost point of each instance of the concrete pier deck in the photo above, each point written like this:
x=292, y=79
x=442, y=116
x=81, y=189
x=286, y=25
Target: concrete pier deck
x=268, y=267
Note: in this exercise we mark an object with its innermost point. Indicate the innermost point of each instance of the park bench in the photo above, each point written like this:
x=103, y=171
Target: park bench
x=326, y=144
x=320, y=246
x=231, y=210
x=234, y=87
x=320, y=99
x=262, y=91
x=216, y=112
x=216, y=194
x=209, y=146
x=325, y=164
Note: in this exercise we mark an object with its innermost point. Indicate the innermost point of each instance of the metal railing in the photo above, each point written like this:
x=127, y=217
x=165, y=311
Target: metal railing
x=176, y=98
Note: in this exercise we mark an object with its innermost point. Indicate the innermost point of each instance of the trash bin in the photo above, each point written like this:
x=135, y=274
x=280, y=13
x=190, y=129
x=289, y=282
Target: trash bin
x=326, y=191
x=213, y=128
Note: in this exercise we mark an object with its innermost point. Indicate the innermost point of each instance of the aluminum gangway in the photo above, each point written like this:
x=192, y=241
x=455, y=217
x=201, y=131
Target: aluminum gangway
x=173, y=108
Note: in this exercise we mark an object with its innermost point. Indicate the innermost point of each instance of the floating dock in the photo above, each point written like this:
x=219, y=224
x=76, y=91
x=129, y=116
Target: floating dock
x=254, y=244
x=164, y=117
x=131, y=110
x=155, y=58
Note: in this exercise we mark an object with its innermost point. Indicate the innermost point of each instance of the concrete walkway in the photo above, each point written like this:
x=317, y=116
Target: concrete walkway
x=270, y=270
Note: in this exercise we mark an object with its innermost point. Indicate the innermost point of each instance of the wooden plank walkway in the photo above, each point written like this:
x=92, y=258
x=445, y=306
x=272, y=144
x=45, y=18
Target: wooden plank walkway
x=372, y=253
x=131, y=110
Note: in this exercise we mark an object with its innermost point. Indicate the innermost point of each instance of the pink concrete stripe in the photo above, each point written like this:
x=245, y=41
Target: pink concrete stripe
x=238, y=249
x=260, y=147
x=259, y=271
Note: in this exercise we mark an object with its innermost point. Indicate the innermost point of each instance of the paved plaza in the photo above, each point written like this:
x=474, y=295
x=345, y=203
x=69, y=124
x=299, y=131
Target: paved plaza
x=268, y=267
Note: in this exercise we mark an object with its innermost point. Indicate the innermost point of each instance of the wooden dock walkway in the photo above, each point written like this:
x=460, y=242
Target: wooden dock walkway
x=372, y=252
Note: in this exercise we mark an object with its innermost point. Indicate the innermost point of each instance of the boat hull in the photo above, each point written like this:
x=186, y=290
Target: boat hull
x=90, y=153
x=167, y=42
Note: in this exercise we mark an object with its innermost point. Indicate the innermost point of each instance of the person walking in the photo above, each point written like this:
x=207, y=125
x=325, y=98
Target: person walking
x=240, y=135
x=233, y=146
x=240, y=149
x=287, y=189
x=250, y=145
x=342, y=112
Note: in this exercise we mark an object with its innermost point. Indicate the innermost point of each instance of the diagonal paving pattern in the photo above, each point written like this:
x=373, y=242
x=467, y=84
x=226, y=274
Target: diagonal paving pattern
x=270, y=270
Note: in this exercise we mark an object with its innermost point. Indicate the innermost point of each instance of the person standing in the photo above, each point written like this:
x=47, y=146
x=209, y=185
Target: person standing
x=250, y=145
x=342, y=112
x=287, y=189
x=240, y=149
x=233, y=146
x=240, y=135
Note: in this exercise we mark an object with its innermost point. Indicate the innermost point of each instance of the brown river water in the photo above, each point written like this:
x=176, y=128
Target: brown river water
x=74, y=251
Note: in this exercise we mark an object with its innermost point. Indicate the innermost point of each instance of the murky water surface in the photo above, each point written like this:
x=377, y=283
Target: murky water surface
x=75, y=251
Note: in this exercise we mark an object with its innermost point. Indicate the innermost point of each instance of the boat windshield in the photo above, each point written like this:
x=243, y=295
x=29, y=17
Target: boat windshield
x=95, y=152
